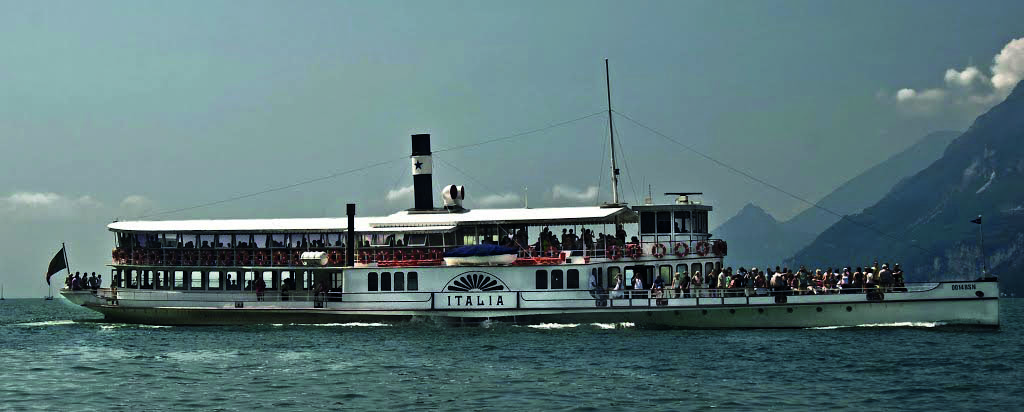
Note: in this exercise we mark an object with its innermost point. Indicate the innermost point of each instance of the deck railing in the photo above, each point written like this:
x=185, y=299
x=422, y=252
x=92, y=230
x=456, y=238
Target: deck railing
x=562, y=299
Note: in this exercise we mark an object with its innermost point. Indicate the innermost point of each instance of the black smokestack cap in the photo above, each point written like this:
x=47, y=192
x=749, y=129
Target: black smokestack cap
x=422, y=169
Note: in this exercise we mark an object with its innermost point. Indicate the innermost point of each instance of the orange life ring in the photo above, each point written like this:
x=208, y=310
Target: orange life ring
x=658, y=250
x=614, y=252
x=703, y=248
x=681, y=249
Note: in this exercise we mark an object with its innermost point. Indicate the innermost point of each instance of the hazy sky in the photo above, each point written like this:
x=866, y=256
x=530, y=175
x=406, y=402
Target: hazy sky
x=121, y=109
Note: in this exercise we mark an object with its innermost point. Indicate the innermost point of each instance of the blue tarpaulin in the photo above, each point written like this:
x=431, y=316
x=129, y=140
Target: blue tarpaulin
x=480, y=250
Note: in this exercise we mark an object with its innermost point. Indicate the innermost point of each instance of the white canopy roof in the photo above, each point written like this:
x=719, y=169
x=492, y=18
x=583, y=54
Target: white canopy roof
x=404, y=221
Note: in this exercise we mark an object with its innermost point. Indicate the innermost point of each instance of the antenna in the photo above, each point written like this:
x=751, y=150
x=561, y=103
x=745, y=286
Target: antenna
x=611, y=134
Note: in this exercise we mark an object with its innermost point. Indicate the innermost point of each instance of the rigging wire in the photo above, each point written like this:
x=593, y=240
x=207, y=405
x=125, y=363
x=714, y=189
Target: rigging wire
x=274, y=189
x=520, y=134
x=370, y=166
x=776, y=188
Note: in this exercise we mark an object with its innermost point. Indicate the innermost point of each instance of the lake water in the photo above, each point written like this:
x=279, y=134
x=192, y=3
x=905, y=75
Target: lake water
x=54, y=355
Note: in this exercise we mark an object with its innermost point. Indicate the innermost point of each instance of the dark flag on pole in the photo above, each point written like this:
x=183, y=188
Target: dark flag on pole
x=978, y=220
x=57, y=264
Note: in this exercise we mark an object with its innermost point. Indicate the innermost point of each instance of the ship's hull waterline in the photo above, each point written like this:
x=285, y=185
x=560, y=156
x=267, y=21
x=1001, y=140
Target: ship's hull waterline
x=944, y=306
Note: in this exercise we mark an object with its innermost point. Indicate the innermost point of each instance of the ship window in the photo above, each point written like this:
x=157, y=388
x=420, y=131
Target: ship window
x=556, y=279
x=694, y=268
x=285, y=275
x=709, y=268
x=682, y=270
x=399, y=281
x=179, y=279
x=613, y=271
x=572, y=279
x=434, y=239
x=680, y=221
x=371, y=281
x=542, y=279
x=664, y=222
x=665, y=273
x=231, y=280
x=385, y=281
x=259, y=241
x=196, y=280
x=214, y=280
x=630, y=273
x=334, y=240
x=206, y=241
x=647, y=222
x=718, y=265
x=250, y=280
x=268, y=280
x=412, y=281
x=415, y=240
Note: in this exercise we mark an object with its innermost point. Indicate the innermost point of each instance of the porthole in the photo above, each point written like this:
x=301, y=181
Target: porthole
x=789, y=310
x=819, y=309
x=849, y=308
x=760, y=310
x=704, y=312
x=979, y=294
x=732, y=311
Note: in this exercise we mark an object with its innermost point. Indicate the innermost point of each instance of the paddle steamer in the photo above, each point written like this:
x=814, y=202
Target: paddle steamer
x=420, y=264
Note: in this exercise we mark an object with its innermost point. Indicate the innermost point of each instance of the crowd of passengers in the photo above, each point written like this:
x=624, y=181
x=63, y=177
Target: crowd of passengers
x=724, y=283
x=80, y=281
x=549, y=242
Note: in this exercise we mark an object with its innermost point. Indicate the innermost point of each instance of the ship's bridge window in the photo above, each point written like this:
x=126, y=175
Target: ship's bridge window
x=647, y=222
x=664, y=222
x=680, y=221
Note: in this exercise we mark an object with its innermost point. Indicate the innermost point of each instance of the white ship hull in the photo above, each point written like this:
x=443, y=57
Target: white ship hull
x=947, y=303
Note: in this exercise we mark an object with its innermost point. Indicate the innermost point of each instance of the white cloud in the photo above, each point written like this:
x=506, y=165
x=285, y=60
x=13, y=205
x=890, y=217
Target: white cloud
x=136, y=205
x=561, y=191
x=400, y=193
x=504, y=199
x=46, y=204
x=969, y=89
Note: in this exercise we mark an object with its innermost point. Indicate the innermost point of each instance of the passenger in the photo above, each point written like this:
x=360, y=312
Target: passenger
x=638, y=285
x=677, y=286
x=685, y=280
x=565, y=239
x=885, y=278
x=858, y=279
x=659, y=287
x=695, y=284
x=76, y=283
x=261, y=287
x=723, y=282
x=617, y=290
x=871, y=279
x=897, y=277
x=620, y=234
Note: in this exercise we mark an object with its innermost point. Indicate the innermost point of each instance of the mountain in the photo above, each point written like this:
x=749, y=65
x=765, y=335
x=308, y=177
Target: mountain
x=926, y=217
x=868, y=187
x=756, y=238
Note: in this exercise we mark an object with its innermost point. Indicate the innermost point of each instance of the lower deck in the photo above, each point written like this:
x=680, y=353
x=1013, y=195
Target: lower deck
x=973, y=303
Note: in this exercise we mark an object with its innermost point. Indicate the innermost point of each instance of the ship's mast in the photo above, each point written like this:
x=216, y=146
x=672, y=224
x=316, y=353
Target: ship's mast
x=611, y=134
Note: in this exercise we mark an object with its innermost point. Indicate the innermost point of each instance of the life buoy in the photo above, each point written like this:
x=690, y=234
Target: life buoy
x=658, y=250
x=702, y=248
x=614, y=252
x=634, y=251
x=681, y=249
